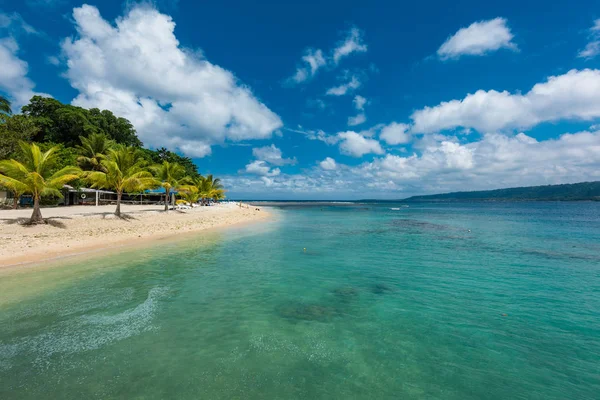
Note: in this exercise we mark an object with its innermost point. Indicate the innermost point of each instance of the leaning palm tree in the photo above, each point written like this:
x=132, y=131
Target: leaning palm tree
x=5, y=106
x=35, y=175
x=123, y=170
x=93, y=150
x=170, y=175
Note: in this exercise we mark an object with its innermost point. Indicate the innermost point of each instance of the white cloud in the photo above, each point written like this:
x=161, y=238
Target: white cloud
x=314, y=60
x=272, y=155
x=15, y=24
x=341, y=90
x=359, y=102
x=592, y=49
x=478, y=39
x=173, y=96
x=358, y=119
x=259, y=167
x=574, y=96
x=13, y=74
x=395, y=133
x=328, y=164
x=352, y=44
x=357, y=145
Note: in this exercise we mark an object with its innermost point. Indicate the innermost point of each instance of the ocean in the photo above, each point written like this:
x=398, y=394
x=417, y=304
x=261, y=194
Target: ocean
x=324, y=301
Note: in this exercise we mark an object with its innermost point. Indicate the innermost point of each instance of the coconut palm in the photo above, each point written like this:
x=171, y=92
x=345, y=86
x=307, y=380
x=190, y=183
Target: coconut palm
x=5, y=106
x=189, y=193
x=93, y=150
x=170, y=175
x=208, y=187
x=211, y=188
x=36, y=176
x=123, y=170
x=17, y=189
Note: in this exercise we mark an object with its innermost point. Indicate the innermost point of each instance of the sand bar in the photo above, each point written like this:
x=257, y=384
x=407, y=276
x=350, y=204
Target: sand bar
x=78, y=229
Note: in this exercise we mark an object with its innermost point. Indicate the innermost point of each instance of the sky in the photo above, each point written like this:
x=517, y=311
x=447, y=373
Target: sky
x=329, y=100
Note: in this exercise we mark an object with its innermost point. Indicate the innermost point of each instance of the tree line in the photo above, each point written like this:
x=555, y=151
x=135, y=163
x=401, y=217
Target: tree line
x=51, y=144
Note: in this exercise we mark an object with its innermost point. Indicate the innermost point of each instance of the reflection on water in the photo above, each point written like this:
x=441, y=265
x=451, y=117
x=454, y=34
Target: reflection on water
x=446, y=301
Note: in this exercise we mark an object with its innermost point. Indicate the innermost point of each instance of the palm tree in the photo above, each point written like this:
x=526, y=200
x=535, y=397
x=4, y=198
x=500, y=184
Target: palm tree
x=122, y=171
x=211, y=187
x=191, y=194
x=35, y=176
x=208, y=187
x=5, y=106
x=17, y=189
x=93, y=150
x=170, y=175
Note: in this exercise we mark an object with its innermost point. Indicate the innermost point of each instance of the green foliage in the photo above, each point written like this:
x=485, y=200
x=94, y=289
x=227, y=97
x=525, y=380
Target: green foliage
x=93, y=150
x=64, y=123
x=36, y=175
x=170, y=175
x=124, y=170
x=162, y=154
x=4, y=106
x=568, y=192
x=15, y=128
x=207, y=187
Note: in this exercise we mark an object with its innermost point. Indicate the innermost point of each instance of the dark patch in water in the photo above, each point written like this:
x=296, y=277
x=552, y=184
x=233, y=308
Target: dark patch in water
x=553, y=255
x=307, y=312
x=376, y=231
x=346, y=293
x=412, y=224
x=382, y=288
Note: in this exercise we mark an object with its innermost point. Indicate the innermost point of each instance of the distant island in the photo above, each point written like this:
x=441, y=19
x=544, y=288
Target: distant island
x=568, y=192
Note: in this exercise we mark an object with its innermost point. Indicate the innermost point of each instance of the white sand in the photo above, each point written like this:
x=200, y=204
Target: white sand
x=78, y=229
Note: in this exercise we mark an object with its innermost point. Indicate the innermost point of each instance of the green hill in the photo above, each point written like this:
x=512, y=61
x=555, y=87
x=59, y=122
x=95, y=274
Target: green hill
x=567, y=192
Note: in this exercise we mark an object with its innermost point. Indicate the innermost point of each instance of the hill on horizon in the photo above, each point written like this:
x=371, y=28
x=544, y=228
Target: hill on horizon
x=565, y=192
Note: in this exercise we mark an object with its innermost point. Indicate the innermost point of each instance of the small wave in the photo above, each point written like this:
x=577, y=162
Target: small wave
x=87, y=332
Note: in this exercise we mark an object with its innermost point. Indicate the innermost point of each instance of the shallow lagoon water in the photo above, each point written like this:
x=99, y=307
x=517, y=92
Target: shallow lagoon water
x=442, y=301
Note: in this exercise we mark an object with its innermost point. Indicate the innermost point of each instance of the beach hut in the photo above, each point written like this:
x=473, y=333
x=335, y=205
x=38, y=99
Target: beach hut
x=86, y=196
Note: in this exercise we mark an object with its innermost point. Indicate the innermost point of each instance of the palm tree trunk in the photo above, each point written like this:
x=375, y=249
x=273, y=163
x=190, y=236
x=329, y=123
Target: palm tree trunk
x=166, y=199
x=36, y=217
x=118, y=210
x=16, y=201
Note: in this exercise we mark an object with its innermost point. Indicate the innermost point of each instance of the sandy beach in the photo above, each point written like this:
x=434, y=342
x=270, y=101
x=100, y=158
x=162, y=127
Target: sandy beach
x=79, y=229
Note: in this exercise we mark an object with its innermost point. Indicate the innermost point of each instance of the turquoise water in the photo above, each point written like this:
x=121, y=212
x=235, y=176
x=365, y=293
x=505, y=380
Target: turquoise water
x=449, y=301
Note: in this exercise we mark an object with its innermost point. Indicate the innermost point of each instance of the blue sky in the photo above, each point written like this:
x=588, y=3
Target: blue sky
x=344, y=100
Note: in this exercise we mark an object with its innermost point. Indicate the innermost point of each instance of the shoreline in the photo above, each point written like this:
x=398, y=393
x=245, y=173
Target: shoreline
x=86, y=230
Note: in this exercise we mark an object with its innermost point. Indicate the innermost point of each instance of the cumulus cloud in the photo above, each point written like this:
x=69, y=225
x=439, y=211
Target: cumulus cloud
x=357, y=145
x=359, y=102
x=443, y=164
x=352, y=44
x=395, y=133
x=13, y=74
x=173, y=96
x=574, y=96
x=272, y=155
x=358, y=119
x=328, y=164
x=341, y=90
x=592, y=49
x=478, y=39
x=314, y=60
x=260, y=167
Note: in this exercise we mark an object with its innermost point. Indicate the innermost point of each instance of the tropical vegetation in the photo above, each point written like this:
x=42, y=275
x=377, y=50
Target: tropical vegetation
x=50, y=144
x=35, y=174
x=170, y=176
x=123, y=170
